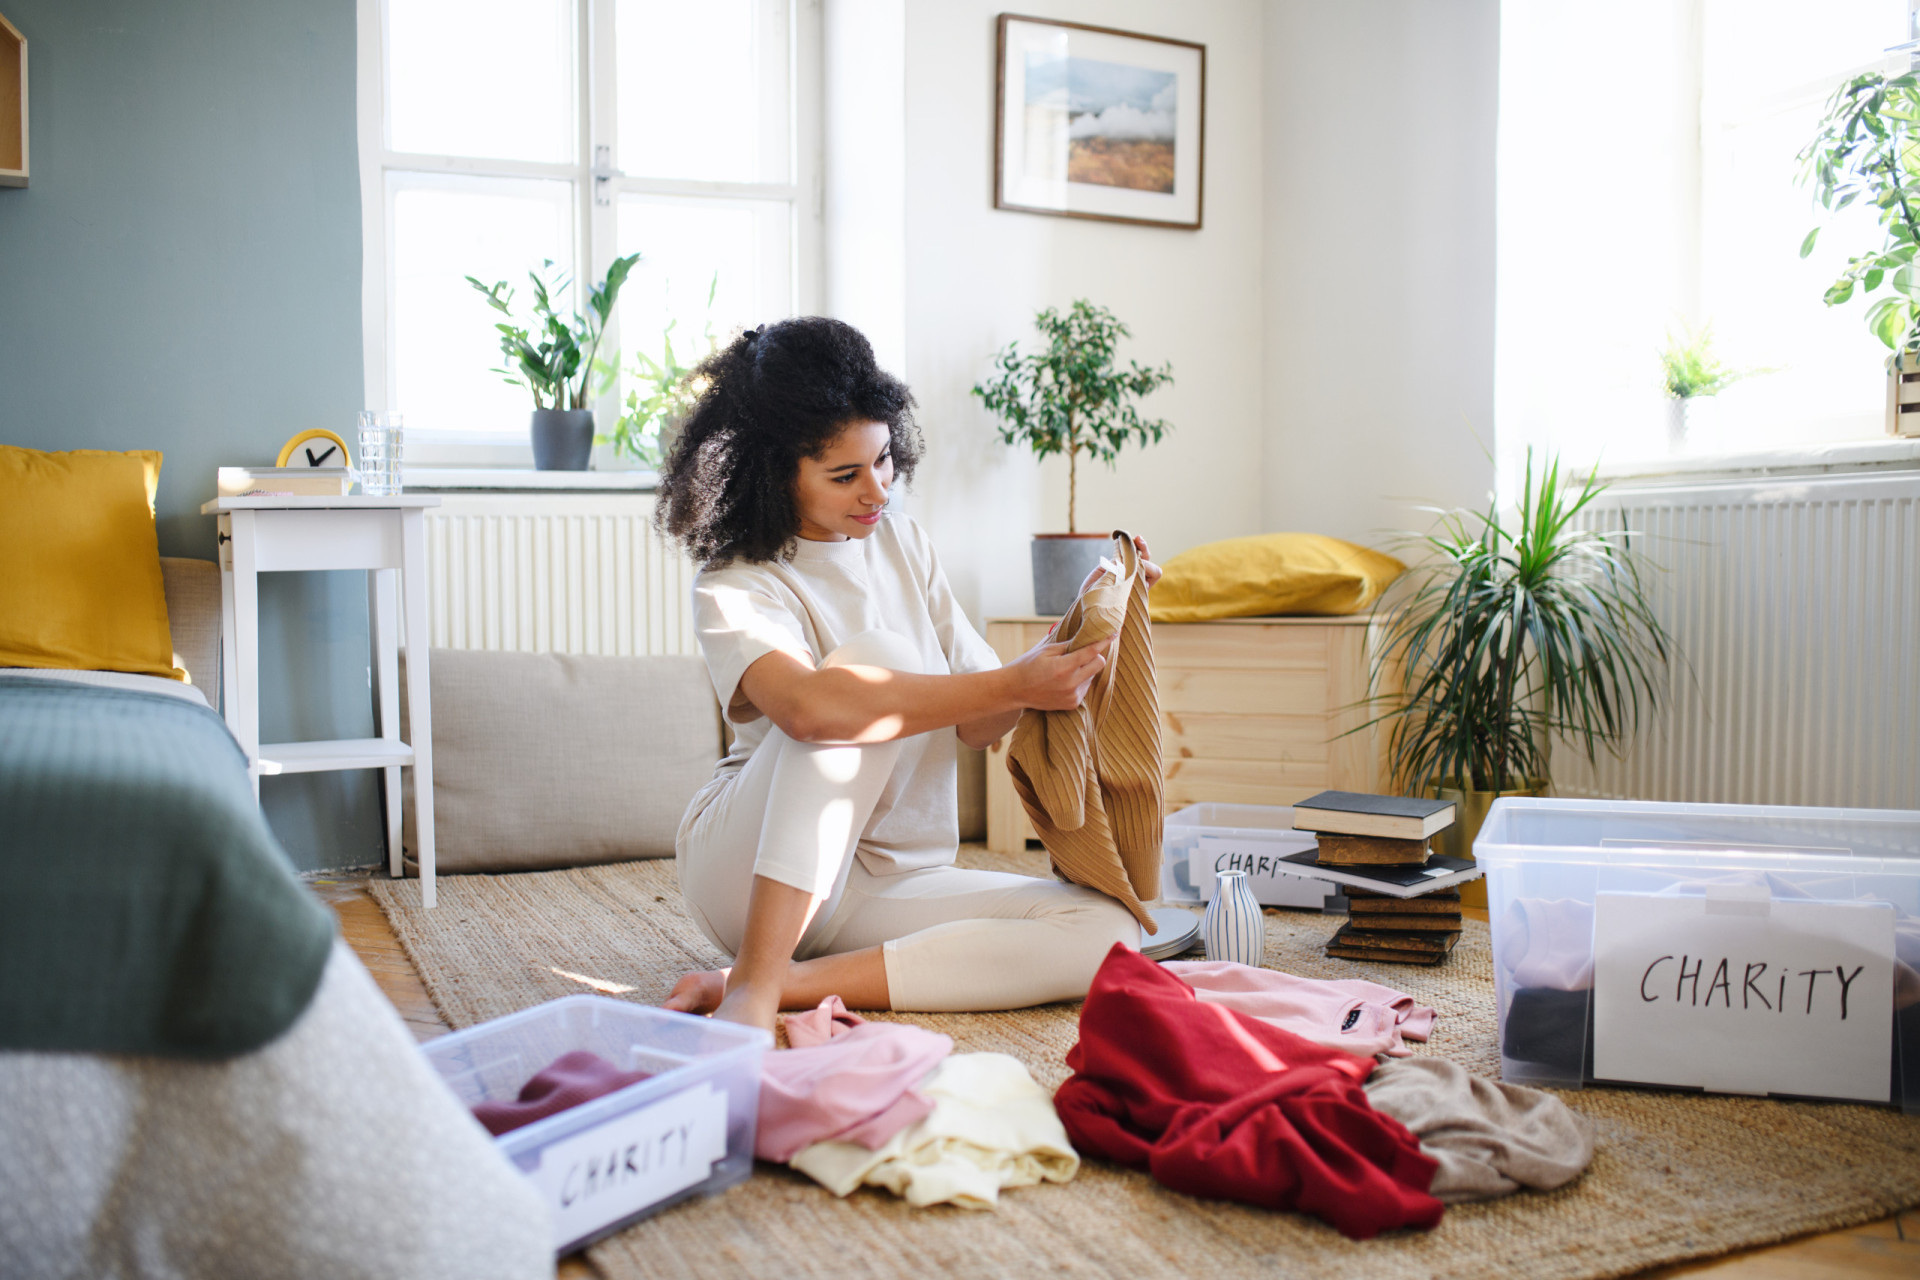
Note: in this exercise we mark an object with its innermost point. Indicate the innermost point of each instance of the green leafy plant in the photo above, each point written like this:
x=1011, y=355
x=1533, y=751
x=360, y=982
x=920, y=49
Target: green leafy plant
x=1070, y=397
x=1692, y=369
x=665, y=395
x=1511, y=634
x=561, y=346
x=1868, y=146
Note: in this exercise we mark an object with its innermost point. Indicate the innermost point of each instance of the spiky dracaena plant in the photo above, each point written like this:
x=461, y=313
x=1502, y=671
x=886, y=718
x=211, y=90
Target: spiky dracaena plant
x=1512, y=634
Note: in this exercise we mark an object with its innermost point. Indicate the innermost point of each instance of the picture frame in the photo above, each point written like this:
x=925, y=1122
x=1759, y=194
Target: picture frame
x=1095, y=122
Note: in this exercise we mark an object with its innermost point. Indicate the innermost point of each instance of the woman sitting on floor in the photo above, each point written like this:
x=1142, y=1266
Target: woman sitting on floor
x=821, y=854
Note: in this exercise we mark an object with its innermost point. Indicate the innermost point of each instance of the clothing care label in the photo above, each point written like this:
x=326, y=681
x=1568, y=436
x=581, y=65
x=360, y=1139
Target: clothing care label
x=1738, y=992
x=1261, y=860
x=616, y=1169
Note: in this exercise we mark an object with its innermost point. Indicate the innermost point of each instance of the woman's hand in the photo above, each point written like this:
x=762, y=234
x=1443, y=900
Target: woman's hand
x=1148, y=568
x=1049, y=678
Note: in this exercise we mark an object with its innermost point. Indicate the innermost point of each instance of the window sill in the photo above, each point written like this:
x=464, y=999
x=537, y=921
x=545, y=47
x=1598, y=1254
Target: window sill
x=1841, y=458
x=516, y=480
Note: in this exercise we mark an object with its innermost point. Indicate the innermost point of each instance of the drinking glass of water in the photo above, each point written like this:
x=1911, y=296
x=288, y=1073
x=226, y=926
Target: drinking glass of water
x=382, y=444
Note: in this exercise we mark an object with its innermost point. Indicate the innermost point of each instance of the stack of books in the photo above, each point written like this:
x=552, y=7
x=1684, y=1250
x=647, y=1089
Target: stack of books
x=1401, y=930
x=1386, y=840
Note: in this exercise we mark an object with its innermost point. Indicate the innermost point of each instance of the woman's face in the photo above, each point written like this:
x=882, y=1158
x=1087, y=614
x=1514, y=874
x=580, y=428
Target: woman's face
x=841, y=493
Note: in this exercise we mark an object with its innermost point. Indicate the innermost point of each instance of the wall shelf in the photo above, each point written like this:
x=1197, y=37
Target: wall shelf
x=13, y=106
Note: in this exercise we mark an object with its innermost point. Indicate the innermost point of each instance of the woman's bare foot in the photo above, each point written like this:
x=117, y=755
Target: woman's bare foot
x=750, y=1006
x=699, y=992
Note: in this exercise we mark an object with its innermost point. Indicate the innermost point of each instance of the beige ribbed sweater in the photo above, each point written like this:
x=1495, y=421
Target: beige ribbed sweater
x=1090, y=777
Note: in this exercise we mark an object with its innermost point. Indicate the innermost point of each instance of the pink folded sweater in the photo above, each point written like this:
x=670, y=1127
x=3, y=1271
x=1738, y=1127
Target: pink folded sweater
x=1345, y=1013
x=846, y=1079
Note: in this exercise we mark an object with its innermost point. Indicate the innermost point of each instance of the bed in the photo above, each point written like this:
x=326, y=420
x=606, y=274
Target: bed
x=250, y=1104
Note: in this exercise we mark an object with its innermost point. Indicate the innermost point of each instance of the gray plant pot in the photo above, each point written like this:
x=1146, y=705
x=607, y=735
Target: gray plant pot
x=562, y=439
x=1061, y=562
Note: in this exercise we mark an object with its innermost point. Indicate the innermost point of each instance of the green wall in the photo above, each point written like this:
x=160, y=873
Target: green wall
x=183, y=273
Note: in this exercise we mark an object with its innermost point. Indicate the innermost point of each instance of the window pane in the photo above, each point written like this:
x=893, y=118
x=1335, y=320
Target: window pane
x=704, y=89
x=1766, y=77
x=740, y=250
x=442, y=341
x=481, y=78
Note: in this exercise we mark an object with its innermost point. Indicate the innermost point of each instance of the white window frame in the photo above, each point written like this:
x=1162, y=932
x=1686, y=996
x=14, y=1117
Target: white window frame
x=597, y=188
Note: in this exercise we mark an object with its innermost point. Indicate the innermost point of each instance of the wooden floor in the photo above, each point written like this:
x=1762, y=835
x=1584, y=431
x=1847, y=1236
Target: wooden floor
x=1878, y=1249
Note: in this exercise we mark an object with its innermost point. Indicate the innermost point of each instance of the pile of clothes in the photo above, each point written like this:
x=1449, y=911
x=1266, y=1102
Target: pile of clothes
x=1217, y=1102
x=1219, y=1079
x=856, y=1103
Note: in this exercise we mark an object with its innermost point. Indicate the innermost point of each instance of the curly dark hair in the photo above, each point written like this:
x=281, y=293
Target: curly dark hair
x=774, y=396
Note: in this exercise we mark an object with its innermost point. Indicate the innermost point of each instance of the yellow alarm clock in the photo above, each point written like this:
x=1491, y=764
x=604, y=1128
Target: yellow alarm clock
x=318, y=447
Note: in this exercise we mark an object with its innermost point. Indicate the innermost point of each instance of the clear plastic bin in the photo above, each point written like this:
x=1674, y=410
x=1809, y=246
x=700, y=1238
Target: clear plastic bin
x=1247, y=837
x=617, y=1158
x=1749, y=886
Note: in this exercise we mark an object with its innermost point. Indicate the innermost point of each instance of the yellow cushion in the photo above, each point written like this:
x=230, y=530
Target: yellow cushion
x=1268, y=574
x=81, y=587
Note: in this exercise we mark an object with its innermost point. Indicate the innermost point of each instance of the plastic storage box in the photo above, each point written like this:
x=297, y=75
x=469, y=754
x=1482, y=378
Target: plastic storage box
x=614, y=1160
x=1203, y=838
x=1732, y=948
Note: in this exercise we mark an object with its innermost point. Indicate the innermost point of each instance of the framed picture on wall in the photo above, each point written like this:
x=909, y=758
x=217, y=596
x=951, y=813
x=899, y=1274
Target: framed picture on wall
x=1096, y=123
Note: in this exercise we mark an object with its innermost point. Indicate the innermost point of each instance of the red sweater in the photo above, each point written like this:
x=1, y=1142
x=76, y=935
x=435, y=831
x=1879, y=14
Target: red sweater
x=1215, y=1104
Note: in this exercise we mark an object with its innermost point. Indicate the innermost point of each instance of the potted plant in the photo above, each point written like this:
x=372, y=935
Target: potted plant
x=556, y=359
x=1692, y=370
x=1507, y=636
x=1070, y=397
x=665, y=395
x=1865, y=148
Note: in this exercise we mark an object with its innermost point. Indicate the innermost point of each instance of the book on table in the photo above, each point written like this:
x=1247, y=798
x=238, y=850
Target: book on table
x=312, y=482
x=1354, y=813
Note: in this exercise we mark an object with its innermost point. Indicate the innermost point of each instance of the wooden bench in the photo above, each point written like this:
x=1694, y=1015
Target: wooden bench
x=1251, y=712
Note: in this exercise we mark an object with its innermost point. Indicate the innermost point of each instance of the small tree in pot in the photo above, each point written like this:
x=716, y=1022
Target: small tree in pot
x=1070, y=397
x=1510, y=635
x=555, y=360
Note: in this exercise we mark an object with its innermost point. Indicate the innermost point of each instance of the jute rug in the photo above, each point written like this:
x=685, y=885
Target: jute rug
x=1676, y=1176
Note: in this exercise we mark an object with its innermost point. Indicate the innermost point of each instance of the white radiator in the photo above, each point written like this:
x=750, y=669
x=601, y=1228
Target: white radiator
x=570, y=573
x=1795, y=605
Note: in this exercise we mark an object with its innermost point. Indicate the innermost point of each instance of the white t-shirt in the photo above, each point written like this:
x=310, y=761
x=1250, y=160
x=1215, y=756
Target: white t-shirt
x=811, y=605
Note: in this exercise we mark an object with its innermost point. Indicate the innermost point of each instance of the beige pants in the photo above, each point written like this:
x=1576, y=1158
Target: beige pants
x=952, y=939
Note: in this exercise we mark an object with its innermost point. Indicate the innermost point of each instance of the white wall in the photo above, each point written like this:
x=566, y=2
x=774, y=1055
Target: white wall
x=976, y=275
x=1330, y=326
x=863, y=197
x=1379, y=261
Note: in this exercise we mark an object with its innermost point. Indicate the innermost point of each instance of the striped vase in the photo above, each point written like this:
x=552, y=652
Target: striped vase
x=1234, y=928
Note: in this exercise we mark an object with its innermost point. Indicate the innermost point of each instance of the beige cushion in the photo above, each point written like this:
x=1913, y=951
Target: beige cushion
x=545, y=760
x=193, y=613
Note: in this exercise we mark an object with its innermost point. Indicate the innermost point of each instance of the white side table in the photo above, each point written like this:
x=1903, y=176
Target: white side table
x=387, y=537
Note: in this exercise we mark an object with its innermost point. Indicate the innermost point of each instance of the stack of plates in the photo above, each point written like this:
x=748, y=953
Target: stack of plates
x=1179, y=931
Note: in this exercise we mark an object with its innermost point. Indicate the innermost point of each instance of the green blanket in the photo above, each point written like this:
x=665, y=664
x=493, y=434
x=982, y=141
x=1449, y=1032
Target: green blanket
x=145, y=907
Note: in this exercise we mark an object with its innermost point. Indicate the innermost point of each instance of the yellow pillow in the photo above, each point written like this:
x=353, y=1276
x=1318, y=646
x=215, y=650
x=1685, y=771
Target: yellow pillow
x=81, y=586
x=1268, y=574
